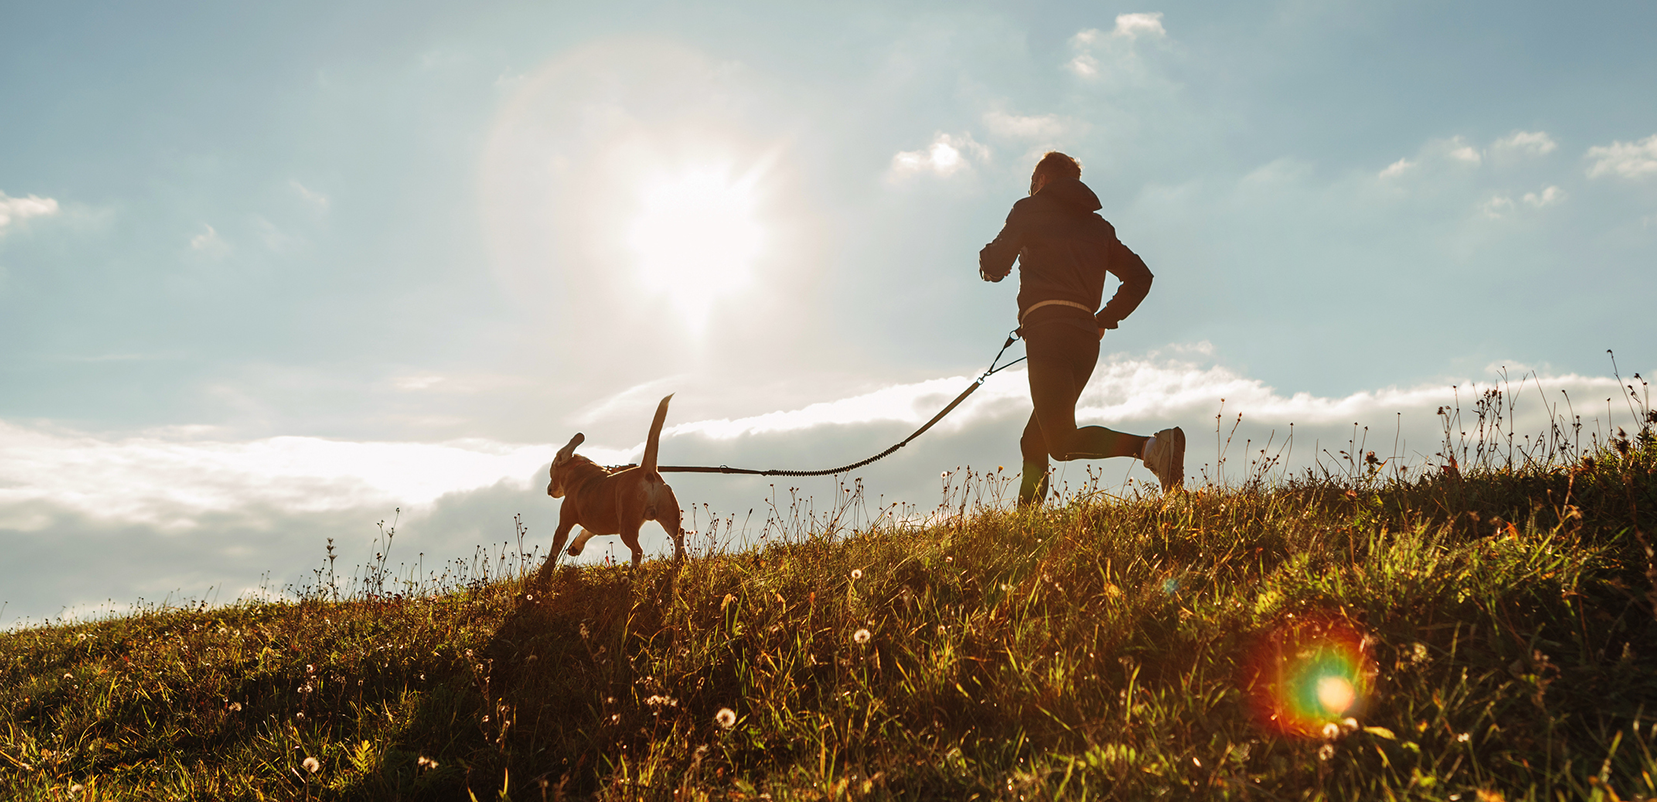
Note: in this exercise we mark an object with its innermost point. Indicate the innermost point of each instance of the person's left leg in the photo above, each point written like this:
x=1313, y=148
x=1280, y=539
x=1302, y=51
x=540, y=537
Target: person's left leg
x=1032, y=487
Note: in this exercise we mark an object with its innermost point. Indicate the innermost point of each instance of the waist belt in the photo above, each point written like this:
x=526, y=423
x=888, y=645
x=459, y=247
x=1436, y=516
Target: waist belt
x=1039, y=304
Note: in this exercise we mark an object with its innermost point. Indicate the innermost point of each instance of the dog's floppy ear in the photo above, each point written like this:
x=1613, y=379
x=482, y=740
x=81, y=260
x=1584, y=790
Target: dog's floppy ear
x=569, y=450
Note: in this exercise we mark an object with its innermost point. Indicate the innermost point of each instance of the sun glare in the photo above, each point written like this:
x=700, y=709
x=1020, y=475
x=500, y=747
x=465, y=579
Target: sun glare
x=696, y=238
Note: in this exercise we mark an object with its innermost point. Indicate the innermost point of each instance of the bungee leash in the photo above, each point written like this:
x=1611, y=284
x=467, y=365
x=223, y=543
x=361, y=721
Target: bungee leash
x=1012, y=336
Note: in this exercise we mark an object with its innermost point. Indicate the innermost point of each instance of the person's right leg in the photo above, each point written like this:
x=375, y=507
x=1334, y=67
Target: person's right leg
x=1163, y=453
x=1062, y=357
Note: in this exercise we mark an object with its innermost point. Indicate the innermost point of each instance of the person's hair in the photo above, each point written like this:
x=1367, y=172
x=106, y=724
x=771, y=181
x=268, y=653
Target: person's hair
x=1056, y=165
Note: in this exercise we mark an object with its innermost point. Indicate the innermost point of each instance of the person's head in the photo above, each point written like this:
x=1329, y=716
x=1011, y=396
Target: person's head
x=1053, y=165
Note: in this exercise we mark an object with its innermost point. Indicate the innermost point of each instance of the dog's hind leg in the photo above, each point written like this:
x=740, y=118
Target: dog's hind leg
x=630, y=536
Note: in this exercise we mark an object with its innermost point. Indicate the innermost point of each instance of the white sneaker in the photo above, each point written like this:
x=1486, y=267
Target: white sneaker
x=1165, y=456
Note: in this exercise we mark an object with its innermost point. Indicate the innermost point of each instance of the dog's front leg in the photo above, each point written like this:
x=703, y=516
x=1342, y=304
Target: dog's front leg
x=668, y=515
x=566, y=522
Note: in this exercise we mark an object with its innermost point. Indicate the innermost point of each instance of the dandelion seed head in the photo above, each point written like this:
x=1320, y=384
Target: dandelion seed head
x=311, y=765
x=857, y=573
x=1331, y=731
x=861, y=636
x=1326, y=752
x=725, y=718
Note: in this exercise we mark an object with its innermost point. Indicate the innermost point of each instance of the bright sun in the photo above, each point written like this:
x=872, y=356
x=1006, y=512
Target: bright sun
x=696, y=238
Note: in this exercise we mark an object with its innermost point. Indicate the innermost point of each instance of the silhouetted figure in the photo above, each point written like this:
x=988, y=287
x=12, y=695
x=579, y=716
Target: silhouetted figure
x=1064, y=251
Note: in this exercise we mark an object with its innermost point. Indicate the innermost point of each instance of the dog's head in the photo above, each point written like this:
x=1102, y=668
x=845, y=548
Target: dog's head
x=561, y=463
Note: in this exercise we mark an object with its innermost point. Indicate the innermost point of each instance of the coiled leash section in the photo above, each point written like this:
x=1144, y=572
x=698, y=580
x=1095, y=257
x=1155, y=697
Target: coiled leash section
x=1012, y=337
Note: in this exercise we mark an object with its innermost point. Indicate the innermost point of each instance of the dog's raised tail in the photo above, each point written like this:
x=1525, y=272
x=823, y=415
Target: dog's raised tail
x=652, y=443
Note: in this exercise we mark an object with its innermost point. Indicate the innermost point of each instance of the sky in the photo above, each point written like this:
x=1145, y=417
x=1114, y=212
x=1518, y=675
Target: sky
x=271, y=275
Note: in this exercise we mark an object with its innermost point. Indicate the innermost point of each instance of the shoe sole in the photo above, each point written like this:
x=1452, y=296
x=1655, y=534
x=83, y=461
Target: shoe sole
x=1178, y=459
x=1173, y=478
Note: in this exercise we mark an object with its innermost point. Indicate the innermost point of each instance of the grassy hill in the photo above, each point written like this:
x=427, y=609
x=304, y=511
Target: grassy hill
x=1484, y=632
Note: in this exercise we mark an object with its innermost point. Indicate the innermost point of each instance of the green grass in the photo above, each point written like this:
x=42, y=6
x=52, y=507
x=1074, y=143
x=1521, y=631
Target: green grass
x=1498, y=626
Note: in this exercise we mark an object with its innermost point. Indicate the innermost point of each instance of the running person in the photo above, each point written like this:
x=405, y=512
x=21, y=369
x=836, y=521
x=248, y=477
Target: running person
x=1064, y=251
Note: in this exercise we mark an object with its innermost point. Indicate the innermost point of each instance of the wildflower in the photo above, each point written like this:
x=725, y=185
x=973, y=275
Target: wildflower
x=1331, y=731
x=300, y=715
x=857, y=573
x=426, y=762
x=1349, y=724
x=1462, y=738
x=1326, y=751
x=235, y=707
x=311, y=765
x=861, y=636
x=725, y=718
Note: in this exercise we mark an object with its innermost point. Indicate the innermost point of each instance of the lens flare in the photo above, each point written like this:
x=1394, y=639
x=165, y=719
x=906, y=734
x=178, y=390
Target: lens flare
x=1308, y=673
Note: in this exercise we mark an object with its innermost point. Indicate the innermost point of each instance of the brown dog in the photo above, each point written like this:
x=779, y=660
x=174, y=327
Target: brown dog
x=606, y=503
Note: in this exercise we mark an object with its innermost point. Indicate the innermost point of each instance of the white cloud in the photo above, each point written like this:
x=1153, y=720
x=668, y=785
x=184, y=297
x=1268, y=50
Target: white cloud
x=316, y=199
x=210, y=243
x=1547, y=197
x=1627, y=159
x=903, y=403
x=18, y=209
x=1012, y=126
x=1529, y=143
x=1397, y=168
x=946, y=156
x=425, y=382
x=1435, y=154
x=1133, y=26
x=1461, y=151
x=1129, y=29
x=171, y=478
x=1084, y=65
x=1496, y=206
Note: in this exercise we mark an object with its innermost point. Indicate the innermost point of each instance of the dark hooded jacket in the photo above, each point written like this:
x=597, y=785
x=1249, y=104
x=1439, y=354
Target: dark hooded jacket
x=1064, y=251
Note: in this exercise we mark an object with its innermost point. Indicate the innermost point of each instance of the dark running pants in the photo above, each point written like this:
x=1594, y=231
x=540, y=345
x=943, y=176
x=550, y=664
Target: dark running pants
x=1063, y=348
